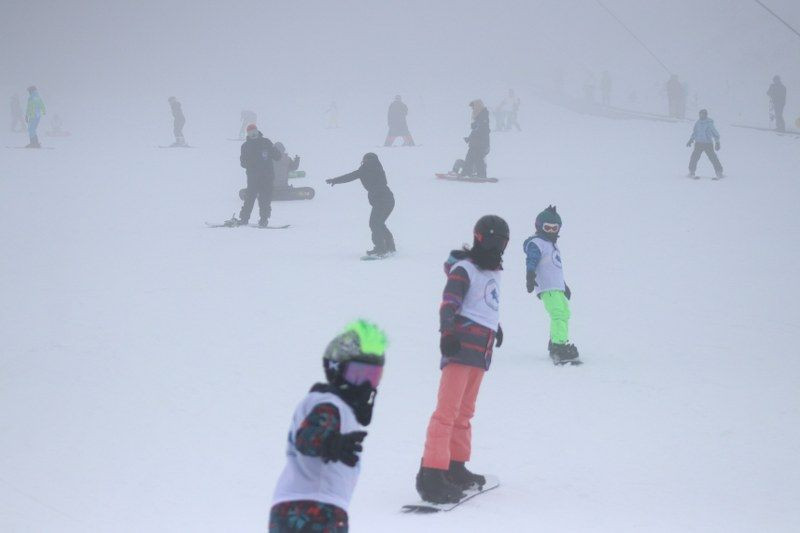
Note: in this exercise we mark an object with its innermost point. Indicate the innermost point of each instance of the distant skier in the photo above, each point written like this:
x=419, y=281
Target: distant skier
x=33, y=115
x=17, y=117
x=706, y=139
x=333, y=116
x=512, y=103
x=500, y=114
x=325, y=438
x=777, y=101
x=179, y=120
x=398, y=126
x=56, y=127
x=283, y=166
x=474, y=164
x=469, y=322
x=380, y=197
x=256, y=157
x=676, y=96
x=605, y=88
x=247, y=117
x=545, y=275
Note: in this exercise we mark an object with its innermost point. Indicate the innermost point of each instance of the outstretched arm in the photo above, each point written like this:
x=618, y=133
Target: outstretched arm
x=322, y=422
x=352, y=176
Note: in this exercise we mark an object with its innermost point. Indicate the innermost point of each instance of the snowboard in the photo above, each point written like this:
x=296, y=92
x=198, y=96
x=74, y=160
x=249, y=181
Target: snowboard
x=232, y=224
x=290, y=193
x=297, y=174
x=169, y=146
x=712, y=178
x=423, y=507
x=34, y=149
x=377, y=257
x=268, y=227
x=455, y=177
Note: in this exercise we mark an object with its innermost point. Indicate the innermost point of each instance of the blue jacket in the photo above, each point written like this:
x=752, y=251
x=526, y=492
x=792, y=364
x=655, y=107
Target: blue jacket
x=704, y=131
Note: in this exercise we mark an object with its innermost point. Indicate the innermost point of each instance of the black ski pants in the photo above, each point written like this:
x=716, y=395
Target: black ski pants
x=708, y=148
x=257, y=189
x=382, y=238
x=475, y=161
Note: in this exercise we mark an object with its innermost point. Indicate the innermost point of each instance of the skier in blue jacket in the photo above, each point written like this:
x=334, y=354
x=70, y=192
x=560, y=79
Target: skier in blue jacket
x=706, y=139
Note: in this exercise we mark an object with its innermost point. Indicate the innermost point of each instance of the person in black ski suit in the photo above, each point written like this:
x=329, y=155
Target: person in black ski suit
x=256, y=158
x=373, y=178
x=178, y=121
x=777, y=98
x=474, y=164
x=398, y=126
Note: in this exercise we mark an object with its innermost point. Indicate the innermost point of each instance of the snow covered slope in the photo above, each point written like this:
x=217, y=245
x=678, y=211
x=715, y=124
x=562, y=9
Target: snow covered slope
x=149, y=366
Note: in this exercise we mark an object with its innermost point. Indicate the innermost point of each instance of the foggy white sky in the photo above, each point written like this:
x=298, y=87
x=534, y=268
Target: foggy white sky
x=99, y=55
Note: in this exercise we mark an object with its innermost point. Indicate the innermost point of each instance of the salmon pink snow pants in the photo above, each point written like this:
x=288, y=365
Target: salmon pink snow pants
x=449, y=431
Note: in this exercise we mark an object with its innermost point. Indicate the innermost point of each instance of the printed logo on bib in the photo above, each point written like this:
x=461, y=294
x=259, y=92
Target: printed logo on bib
x=492, y=295
x=557, y=258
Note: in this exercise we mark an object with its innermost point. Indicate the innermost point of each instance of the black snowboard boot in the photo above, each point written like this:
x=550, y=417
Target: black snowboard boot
x=563, y=354
x=433, y=486
x=459, y=476
x=376, y=251
x=263, y=223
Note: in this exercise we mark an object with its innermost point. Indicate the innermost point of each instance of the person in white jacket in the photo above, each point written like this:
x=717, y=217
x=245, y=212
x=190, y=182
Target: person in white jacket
x=325, y=438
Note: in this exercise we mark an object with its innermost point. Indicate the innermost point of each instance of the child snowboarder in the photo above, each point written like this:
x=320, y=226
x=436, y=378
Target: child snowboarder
x=545, y=275
x=474, y=163
x=706, y=139
x=380, y=197
x=470, y=327
x=322, y=457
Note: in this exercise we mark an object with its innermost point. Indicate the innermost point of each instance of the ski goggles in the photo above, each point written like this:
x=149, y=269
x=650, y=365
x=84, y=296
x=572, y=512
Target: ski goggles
x=357, y=373
x=550, y=228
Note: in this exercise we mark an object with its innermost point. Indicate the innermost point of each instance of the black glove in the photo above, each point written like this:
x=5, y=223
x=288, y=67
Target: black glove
x=716, y=146
x=530, y=280
x=339, y=447
x=688, y=143
x=330, y=182
x=498, y=337
x=567, y=292
x=449, y=345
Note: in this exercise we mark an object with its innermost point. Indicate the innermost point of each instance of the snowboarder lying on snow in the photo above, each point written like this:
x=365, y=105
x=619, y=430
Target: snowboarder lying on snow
x=314, y=490
x=283, y=166
x=373, y=178
x=545, y=275
x=706, y=139
x=469, y=323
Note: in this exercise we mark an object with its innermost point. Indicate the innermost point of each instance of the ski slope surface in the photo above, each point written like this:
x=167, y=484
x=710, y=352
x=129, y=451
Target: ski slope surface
x=149, y=366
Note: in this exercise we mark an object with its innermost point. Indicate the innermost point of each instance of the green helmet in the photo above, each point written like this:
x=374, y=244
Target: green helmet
x=361, y=341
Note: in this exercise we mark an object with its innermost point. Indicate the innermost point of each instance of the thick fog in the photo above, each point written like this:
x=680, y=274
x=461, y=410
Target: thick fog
x=96, y=62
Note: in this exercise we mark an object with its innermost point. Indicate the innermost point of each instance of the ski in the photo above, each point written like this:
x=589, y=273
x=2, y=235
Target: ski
x=182, y=146
x=26, y=148
x=423, y=507
x=456, y=177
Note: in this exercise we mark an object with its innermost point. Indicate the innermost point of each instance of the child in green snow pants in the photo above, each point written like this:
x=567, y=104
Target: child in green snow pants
x=557, y=306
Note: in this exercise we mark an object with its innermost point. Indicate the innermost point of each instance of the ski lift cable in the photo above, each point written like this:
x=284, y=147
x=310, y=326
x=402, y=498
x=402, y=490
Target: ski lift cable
x=615, y=17
x=771, y=12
